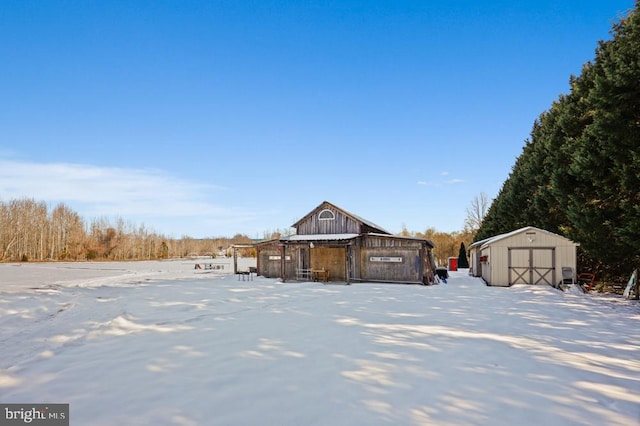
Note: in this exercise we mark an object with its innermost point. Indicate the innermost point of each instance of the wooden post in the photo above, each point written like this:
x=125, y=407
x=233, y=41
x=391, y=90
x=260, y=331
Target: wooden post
x=347, y=263
x=257, y=261
x=283, y=263
x=235, y=260
x=421, y=270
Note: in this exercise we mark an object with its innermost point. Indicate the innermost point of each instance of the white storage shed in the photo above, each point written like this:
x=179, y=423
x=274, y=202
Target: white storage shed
x=528, y=255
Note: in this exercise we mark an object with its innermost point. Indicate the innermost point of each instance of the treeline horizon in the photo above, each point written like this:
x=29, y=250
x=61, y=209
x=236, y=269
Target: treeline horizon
x=32, y=231
x=579, y=172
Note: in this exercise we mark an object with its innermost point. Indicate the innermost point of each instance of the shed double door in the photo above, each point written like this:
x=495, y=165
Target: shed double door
x=532, y=265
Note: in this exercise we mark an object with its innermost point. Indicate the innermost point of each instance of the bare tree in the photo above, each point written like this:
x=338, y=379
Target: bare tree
x=476, y=212
x=67, y=233
x=29, y=231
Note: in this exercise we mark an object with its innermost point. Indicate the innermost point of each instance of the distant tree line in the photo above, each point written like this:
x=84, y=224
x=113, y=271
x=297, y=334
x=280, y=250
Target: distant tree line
x=447, y=244
x=579, y=173
x=30, y=230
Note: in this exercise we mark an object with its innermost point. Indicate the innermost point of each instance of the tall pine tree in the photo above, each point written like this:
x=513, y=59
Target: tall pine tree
x=463, y=262
x=579, y=173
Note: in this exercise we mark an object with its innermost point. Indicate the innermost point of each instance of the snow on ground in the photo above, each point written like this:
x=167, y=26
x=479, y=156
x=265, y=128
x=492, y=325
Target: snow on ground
x=159, y=343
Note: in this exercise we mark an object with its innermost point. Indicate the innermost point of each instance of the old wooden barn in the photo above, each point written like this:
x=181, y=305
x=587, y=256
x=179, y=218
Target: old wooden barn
x=335, y=245
x=527, y=255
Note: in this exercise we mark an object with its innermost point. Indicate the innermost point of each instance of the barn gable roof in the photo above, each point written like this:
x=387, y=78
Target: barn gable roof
x=325, y=204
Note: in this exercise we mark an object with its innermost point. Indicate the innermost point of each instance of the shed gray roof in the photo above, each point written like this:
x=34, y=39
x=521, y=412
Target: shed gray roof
x=479, y=243
x=487, y=241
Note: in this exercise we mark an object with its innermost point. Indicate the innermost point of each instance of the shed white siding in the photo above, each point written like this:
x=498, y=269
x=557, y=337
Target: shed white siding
x=526, y=256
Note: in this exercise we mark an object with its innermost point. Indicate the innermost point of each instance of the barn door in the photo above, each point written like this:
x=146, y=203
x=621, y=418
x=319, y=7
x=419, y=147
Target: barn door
x=303, y=259
x=531, y=265
x=332, y=259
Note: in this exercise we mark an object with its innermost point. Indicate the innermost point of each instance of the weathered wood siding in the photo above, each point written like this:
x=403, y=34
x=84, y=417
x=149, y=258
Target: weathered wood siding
x=291, y=260
x=340, y=224
x=390, y=259
x=354, y=253
x=387, y=242
x=373, y=255
x=269, y=262
x=407, y=270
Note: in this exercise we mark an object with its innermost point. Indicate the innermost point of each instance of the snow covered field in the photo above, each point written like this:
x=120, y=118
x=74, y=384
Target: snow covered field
x=159, y=343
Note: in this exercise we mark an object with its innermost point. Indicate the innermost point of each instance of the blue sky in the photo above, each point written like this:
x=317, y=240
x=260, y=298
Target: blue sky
x=211, y=118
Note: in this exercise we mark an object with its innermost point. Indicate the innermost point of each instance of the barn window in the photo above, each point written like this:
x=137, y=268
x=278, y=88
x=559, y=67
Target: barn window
x=326, y=214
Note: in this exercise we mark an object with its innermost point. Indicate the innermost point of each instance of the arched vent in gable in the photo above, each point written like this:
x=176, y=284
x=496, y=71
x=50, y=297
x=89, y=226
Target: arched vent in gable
x=326, y=214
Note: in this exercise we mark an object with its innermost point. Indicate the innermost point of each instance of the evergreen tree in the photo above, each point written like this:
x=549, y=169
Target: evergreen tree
x=579, y=173
x=604, y=204
x=463, y=262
